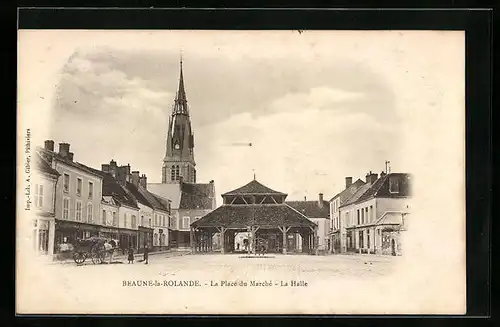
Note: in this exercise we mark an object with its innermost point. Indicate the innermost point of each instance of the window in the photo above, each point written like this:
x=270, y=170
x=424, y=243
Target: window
x=142, y=220
x=104, y=217
x=150, y=222
x=393, y=185
x=172, y=222
x=175, y=173
x=185, y=222
x=347, y=219
x=358, y=218
x=90, y=211
x=366, y=215
x=163, y=220
x=78, y=210
x=372, y=215
x=125, y=220
x=156, y=220
x=65, y=208
x=368, y=239
x=156, y=239
x=362, y=215
x=115, y=219
x=91, y=190
x=39, y=195
x=78, y=186
x=134, y=221
x=66, y=183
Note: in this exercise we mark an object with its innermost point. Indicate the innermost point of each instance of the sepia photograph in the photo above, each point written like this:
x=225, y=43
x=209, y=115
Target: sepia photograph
x=240, y=172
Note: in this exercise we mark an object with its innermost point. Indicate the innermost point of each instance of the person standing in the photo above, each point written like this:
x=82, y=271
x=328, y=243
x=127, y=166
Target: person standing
x=146, y=254
x=131, y=255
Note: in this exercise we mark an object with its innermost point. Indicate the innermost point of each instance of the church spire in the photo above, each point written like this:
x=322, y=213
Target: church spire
x=180, y=106
x=179, y=158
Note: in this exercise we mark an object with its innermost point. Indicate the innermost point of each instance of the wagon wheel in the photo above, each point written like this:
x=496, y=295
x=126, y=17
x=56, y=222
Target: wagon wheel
x=79, y=257
x=98, y=257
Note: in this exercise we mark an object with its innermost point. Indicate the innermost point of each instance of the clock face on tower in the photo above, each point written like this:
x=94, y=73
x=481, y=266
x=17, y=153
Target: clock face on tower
x=176, y=146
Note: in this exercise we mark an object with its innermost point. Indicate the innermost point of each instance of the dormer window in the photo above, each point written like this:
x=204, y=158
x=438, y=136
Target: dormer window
x=393, y=185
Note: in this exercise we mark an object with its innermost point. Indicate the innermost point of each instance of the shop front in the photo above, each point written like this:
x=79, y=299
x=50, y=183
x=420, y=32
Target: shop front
x=67, y=232
x=43, y=235
x=145, y=237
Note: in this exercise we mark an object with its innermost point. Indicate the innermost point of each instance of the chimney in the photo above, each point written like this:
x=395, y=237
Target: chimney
x=143, y=181
x=49, y=145
x=105, y=168
x=112, y=168
x=70, y=156
x=305, y=198
x=212, y=181
x=371, y=177
x=382, y=174
x=63, y=149
x=125, y=172
x=348, y=182
x=320, y=200
x=135, y=178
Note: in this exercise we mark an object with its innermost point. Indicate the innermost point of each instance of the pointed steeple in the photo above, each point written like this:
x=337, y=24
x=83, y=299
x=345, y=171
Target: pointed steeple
x=181, y=93
x=180, y=105
x=179, y=158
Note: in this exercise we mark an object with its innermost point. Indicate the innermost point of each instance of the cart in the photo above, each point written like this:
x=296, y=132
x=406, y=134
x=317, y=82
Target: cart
x=92, y=247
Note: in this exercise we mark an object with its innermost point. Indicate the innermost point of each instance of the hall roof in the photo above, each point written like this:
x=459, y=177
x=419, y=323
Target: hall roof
x=253, y=188
x=242, y=216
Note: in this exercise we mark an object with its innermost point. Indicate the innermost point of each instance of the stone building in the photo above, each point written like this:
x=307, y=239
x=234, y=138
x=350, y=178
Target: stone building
x=376, y=215
x=78, y=195
x=179, y=158
x=318, y=211
x=119, y=208
x=44, y=181
x=189, y=200
x=337, y=230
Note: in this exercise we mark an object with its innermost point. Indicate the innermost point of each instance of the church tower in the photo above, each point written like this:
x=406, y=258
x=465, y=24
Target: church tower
x=179, y=159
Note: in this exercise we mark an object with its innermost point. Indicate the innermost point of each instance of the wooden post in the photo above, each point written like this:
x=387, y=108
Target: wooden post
x=284, y=230
x=223, y=239
x=191, y=235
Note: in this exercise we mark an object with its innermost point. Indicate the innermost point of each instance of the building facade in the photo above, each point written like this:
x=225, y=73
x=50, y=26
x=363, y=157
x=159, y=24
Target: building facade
x=319, y=213
x=77, y=195
x=337, y=230
x=189, y=202
x=44, y=180
x=376, y=215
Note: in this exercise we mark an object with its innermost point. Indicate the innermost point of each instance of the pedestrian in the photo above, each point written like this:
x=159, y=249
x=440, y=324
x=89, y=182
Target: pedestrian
x=146, y=253
x=108, y=248
x=131, y=255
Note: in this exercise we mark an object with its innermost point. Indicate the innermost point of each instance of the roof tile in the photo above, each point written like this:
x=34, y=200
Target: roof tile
x=242, y=216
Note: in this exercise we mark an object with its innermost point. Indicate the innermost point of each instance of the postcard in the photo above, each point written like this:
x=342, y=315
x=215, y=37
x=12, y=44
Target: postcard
x=240, y=172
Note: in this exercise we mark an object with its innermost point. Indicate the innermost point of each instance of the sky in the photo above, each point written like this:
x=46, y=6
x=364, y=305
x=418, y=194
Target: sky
x=317, y=106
